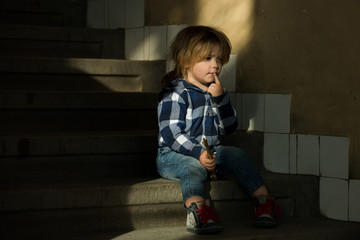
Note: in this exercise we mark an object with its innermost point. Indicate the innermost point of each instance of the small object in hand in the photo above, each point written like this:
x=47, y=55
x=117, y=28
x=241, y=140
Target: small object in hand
x=209, y=153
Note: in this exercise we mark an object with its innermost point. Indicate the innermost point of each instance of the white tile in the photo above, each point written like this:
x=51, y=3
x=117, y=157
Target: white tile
x=293, y=153
x=228, y=74
x=334, y=195
x=277, y=113
x=134, y=13
x=308, y=154
x=134, y=44
x=252, y=115
x=237, y=105
x=354, y=200
x=276, y=152
x=116, y=14
x=96, y=14
x=334, y=157
x=157, y=43
x=172, y=31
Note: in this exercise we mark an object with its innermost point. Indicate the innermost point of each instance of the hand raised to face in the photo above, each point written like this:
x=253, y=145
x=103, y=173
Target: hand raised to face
x=215, y=88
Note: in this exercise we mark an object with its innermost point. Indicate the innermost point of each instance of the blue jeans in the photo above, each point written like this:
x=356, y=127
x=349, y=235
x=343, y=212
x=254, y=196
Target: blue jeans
x=193, y=176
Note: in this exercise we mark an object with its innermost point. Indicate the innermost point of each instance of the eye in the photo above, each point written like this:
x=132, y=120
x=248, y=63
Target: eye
x=208, y=58
x=219, y=60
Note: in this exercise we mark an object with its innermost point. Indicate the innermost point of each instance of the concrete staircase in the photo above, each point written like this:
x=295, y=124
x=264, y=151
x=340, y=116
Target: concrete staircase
x=78, y=142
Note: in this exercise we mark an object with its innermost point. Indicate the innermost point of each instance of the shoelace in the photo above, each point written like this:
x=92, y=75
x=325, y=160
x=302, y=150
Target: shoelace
x=270, y=207
x=206, y=213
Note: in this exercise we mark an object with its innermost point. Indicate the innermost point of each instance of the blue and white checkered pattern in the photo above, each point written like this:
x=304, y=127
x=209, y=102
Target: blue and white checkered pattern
x=187, y=114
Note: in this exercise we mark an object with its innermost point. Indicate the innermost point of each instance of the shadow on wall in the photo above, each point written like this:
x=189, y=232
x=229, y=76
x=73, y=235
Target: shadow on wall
x=234, y=17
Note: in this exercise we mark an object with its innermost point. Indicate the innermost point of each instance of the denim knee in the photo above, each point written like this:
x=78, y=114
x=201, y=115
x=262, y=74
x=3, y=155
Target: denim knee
x=188, y=170
x=192, y=180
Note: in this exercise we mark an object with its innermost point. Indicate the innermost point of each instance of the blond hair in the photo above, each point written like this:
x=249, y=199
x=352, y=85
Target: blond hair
x=192, y=45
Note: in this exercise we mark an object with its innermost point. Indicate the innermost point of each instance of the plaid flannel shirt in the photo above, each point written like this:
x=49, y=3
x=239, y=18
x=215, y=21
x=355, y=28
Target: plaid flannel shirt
x=187, y=114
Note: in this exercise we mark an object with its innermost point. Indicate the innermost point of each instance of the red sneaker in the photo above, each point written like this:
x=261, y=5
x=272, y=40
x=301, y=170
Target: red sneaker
x=266, y=212
x=202, y=219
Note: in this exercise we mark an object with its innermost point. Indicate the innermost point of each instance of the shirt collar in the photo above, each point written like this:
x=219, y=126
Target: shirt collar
x=182, y=83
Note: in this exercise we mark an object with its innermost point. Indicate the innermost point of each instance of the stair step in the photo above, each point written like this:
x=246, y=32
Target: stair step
x=79, y=74
x=77, y=100
x=78, y=155
x=44, y=12
x=138, y=203
x=48, y=168
x=78, y=143
x=71, y=120
x=43, y=41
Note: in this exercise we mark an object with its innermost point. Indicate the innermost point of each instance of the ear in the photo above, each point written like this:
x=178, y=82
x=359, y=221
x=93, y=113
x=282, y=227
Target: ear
x=186, y=69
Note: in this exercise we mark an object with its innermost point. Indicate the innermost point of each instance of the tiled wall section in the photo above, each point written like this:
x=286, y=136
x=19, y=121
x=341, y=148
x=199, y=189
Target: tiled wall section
x=284, y=152
x=334, y=201
x=112, y=14
x=142, y=42
x=150, y=43
x=323, y=156
x=307, y=160
x=277, y=121
x=276, y=159
x=334, y=155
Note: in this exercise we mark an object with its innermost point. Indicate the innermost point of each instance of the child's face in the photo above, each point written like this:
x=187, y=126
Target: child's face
x=202, y=73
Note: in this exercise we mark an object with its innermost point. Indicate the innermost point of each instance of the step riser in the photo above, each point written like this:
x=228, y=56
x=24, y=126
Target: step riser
x=77, y=145
x=107, y=72
x=65, y=157
x=94, y=219
x=50, y=49
x=36, y=41
x=132, y=217
x=18, y=121
x=32, y=18
x=78, y=167
x=43, y=12
x=70, y=83
x=78, y=100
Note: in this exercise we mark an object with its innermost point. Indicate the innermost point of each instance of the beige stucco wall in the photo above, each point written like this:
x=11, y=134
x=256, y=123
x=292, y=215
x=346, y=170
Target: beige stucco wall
x=308, y=48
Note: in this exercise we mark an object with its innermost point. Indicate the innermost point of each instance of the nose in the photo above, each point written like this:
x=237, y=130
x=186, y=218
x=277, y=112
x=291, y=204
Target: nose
x=215, y=63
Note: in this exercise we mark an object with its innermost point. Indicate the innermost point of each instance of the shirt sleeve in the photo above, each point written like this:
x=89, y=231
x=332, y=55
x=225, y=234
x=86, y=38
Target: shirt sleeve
x=226, y=114
x=172, y=123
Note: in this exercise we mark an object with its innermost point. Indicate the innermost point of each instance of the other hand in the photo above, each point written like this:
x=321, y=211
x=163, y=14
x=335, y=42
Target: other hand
x=206, y=162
